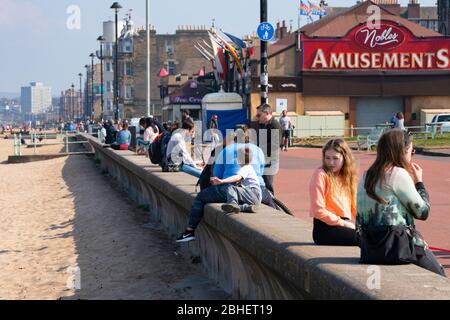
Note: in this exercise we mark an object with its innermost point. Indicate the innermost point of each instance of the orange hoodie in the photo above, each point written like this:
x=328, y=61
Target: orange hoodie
x=328, y=207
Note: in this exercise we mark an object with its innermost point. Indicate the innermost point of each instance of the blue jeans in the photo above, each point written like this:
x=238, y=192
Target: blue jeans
x=191, y=170
x=224, y=193
x=267, y=198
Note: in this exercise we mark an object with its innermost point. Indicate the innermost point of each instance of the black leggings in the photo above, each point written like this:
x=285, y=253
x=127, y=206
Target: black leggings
x=325, y=235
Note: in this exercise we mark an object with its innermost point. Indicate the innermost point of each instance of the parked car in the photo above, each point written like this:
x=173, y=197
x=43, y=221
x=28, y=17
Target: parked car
x=443, y=120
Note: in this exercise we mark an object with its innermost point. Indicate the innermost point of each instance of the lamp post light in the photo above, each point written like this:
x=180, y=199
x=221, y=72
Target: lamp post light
x=116, y=7
x=87, y=92
x=92, y=86
x=101, y=39
x=80, y=99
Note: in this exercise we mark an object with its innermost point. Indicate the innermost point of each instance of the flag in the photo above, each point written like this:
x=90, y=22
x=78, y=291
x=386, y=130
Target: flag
x=219, y=57
x=305, y=10
x=233, y=53
x=163, y=73
x=317, y=10
x=201, y=72
x=239, y=42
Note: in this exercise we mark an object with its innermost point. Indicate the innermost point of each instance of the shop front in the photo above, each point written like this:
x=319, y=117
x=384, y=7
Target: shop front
x=367, y=71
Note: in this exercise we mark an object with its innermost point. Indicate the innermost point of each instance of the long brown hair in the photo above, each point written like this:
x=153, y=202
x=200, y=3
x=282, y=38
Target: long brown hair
x=347, y=175
x=390, y=153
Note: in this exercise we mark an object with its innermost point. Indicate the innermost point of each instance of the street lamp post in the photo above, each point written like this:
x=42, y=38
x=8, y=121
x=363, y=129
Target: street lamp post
x=101, y=39
x=80, y=99
x=148, y=57
x=322, y=4
x=87, y=92
x=72, y=102
x=116, y=6
x=264, y=57
x=92, y=86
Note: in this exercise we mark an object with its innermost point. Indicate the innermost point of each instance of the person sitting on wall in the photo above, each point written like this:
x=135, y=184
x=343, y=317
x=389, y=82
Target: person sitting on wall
x=111, y=133
x=178, y=157
x=239, y=193
x=332, y=193
x=123, y=138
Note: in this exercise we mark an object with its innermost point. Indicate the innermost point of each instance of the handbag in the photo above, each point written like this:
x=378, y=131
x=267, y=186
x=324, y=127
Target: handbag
x=391, y=245
x=170, y=166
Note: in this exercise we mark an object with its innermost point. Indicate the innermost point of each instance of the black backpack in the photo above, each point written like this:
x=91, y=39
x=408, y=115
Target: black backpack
x=205, y=176
x=157, y=149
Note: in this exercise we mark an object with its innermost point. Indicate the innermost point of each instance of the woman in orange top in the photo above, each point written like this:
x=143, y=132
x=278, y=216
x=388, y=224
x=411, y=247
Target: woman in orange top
x=332, y=193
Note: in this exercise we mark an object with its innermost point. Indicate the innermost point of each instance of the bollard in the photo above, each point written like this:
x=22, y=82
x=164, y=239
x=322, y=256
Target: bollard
x=291, y=134
x=66, y=143
x=351, y=131
x=20, y=144
x=16, y=152
x=34, y=145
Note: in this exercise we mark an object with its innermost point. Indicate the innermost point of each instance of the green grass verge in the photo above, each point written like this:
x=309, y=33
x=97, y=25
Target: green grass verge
x=440, y=141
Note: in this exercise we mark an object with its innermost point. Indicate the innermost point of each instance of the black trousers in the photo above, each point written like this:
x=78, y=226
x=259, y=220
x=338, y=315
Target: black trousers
x=325, y=235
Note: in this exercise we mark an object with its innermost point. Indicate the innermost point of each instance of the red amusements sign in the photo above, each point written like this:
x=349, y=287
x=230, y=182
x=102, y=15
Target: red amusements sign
x=390, y=47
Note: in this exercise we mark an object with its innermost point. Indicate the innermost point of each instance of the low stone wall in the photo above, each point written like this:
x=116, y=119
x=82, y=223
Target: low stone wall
x=42, y=157
x=268, y=255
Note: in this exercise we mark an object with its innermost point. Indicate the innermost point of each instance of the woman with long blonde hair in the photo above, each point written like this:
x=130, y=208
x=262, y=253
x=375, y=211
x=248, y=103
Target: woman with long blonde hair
x=332, y=193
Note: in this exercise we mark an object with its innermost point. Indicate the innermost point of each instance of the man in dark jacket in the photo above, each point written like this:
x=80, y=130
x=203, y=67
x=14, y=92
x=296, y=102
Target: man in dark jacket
x=111, y=132
x=269, y=138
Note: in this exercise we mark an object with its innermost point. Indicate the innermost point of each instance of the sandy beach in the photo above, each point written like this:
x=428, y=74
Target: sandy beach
x=66, y=232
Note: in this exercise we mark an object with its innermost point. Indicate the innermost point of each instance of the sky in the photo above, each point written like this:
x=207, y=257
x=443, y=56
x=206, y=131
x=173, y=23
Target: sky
x=41, y=41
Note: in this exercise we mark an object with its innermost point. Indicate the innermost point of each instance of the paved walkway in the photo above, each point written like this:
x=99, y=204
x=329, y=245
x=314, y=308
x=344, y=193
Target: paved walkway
x=297, y=166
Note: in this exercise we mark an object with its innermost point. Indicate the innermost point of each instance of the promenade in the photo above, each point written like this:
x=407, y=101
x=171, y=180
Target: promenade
x=298, y=165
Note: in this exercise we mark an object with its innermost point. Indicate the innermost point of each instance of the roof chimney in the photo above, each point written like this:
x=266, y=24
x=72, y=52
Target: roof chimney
x=414, y=9
x=390, y=5
x=278, y=31
x=283, y=30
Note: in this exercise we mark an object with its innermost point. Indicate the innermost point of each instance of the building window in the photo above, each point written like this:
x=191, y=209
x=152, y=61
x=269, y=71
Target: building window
x=128, y=69
x=128, y=92
x=171, y=68
x=169, y=48
x=109, y=50
x=109, y=86
x=108, y=66
x=127, y=46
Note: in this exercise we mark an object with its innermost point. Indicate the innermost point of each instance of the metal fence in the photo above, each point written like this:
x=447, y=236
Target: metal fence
x=34, y=140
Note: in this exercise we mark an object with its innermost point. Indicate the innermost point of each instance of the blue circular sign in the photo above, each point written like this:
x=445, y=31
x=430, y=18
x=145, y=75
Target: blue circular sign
x=266, y=31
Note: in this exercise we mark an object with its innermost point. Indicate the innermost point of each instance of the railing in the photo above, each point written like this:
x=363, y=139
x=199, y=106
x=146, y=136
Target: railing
x=428, y=129
x=34, y=137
